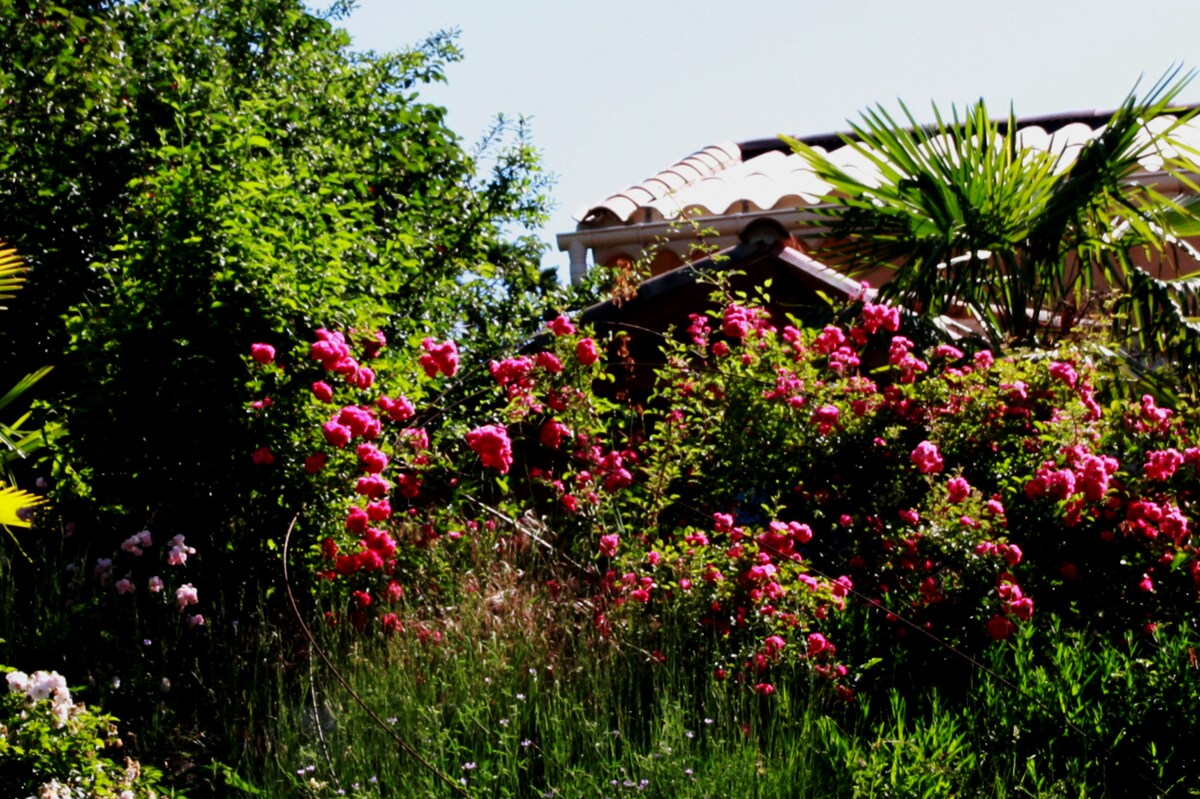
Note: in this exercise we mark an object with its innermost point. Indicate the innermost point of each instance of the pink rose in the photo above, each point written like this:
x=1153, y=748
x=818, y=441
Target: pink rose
x=561, y=326
x=398, y=410
x=379, y=510
x=958, y=489
x=372, y=486
x=337, y=435
x=372, y=459
x=587, y=352
x=1000, y=628
x=817, y=644
x=493, y=446
x=186, y=595
x=441, y=358
x=927, y=458
x=357, y=520
x=549, y=362
x=263, y=353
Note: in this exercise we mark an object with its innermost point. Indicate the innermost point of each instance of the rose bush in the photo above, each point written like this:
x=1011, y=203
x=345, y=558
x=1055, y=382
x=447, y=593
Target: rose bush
x=775, y=477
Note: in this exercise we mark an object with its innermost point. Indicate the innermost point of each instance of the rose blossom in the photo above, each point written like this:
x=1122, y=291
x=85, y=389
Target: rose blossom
x=999, y=627
x=185, y=595
x=561, y=326
x=958, y=489
x=338, y=435
x=927, y=458
x=373, y=460
x=493, y=446
x=587, y=352
x=263, y=353
x=441, y=358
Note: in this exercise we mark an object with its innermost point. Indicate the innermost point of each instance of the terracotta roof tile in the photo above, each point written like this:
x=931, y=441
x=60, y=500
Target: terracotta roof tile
x=763, y=175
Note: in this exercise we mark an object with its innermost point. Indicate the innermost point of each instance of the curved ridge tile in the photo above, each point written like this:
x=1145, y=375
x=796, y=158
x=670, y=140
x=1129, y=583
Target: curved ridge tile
x=696, y=166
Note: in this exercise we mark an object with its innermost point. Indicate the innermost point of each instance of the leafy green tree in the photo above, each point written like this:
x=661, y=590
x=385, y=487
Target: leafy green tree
x=1028, y=242
x=191, y=176
x=187, y=178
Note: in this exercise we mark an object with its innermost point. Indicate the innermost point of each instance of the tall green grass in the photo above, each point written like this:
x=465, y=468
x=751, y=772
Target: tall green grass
x=522, y=698
x=499, y=710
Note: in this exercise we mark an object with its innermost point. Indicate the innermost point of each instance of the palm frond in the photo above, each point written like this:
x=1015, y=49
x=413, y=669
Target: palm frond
x=1024, y=240
x=12, y=272
x=16, y=506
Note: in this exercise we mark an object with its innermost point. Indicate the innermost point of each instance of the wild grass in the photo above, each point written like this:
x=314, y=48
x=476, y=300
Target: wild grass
x=518, y=700
x=511, y=693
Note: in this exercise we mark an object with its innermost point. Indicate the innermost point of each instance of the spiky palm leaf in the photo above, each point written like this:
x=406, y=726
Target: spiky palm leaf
x=16, y=506
x=12, y=272
x=18, y=442
x=1026, y=241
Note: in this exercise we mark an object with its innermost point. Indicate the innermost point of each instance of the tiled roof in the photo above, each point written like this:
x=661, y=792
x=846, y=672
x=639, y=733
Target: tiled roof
x=764, y=174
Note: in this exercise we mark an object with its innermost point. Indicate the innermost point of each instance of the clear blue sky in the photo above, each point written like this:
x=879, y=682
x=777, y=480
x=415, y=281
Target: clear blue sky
x=618, y=89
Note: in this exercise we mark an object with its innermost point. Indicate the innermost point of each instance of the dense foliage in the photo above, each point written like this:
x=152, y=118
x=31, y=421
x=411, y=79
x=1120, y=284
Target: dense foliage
x=183, y=176
x=833, y=561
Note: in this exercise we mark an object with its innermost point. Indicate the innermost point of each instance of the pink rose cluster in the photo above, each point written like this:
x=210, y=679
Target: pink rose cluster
x=587, y=352
x=901, y=357
x=491, y=443
x=178, y=551
x=880, y=317
x=439, y=358
x=377, y=548
x=740, y=322
x=334, y=355
x=137, y=543
x=351, y=422
x=699, y=329
x=831, y=341
x=1083, y=472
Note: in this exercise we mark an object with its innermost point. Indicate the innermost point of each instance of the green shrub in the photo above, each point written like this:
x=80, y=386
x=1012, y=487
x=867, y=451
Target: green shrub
x=51, y=746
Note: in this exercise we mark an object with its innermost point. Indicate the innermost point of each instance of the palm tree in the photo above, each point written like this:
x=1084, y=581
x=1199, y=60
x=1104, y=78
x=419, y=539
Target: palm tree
x=1028, y=242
